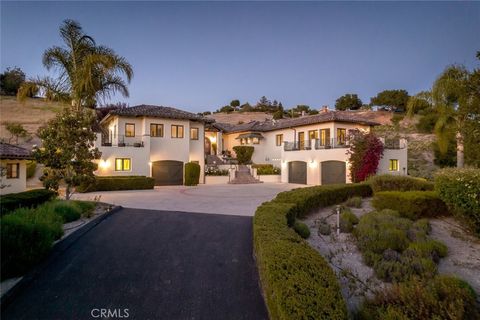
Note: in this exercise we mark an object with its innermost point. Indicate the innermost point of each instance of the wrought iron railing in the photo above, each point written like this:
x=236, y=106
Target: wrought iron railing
x=121, y=141
x=318, y=144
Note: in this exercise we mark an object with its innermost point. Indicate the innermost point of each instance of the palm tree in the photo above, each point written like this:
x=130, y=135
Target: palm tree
x=450, y=99
x=85, y=71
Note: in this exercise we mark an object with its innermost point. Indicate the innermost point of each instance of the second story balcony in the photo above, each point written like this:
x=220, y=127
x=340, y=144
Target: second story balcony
x=121, y=141
x=315, y=144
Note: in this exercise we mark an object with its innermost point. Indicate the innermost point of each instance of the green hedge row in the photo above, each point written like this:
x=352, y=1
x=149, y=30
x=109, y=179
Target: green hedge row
x=460, y=189
x=389, y=182
x=192, y=174
x=411, y=204
x=114, y=183
x=297, y=281
x=27, y=199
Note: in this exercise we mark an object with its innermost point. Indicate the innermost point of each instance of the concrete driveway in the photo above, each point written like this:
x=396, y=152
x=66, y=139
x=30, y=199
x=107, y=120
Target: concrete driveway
x=149, y=265
x=227, y=199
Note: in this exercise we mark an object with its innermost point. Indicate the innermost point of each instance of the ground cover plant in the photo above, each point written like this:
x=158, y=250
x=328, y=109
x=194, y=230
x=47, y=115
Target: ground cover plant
x=397, y=248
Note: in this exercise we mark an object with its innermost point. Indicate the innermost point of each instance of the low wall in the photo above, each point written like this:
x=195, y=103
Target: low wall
x=273, y=178
x=216, y=179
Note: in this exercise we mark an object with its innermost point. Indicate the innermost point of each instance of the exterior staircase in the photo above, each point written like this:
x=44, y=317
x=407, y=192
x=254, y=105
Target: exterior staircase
x=243, y=176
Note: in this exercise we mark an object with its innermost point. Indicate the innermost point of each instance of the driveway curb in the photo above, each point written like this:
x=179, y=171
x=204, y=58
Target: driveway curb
x=57, y=250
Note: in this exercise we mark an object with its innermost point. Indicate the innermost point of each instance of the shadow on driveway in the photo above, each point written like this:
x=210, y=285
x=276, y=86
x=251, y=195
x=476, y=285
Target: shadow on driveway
x=156, y=264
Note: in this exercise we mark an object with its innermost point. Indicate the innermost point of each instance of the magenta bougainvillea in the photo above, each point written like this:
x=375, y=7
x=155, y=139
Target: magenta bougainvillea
x=365, y=152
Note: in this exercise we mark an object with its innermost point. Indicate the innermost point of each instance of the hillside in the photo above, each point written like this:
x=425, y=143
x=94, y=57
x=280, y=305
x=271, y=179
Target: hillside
x=31, y=114
x=240, y=117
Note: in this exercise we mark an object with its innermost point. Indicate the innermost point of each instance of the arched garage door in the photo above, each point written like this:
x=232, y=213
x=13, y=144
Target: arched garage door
x=297, y=172
x=333, y=172
x=167, y=172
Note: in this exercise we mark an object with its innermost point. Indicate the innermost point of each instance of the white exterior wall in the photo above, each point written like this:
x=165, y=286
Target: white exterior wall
x=399, y=154
x=14, y=185
x=154, y=148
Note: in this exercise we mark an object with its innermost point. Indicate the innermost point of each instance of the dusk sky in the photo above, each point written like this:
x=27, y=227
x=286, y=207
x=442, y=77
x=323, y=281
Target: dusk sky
x=200, y=55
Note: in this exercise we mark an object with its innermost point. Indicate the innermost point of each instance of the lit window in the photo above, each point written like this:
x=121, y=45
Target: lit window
x=177, y=131
x=122, y=164
x=279, y=139
x=393, y=165
x=341, y=135
x=255, y=140
x=13, y=170
x=156, y=130
x=129, y=130
x=313, y=134
x=325, y=137
x=193, y=133
x=242, y=141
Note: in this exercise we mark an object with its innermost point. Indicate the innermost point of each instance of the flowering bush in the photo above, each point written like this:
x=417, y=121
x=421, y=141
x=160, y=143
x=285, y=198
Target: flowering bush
x=460, y=190
x=365, y=152
x=214, y=171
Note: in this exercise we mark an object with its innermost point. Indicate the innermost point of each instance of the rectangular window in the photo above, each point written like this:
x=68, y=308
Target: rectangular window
x=279, y=139
x=193, y=133
x=255, y=140
x=13, y=170
x=242, y=141
x=313, y=134
x=177, y=131
x=341, y=136
x=156, y=130
x=393, y=165
x=123, y=164
x=325, y=137
x=129, y=130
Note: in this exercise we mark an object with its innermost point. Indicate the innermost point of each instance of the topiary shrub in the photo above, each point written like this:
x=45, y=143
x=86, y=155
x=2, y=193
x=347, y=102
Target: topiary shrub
x=244, y=154
x=355, y=202
x=444, y=297
x=27, y=199
x=397, y=248
x=301, y=229
x=460, y=190
x=114, y=183
x=388, y=182
x=192, y=174
x=31, y=167
x=411, y=204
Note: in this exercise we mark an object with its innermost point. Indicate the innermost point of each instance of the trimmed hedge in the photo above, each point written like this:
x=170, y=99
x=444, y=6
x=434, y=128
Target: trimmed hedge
x=301, y=229
x=266, y=169
x=297, y=281
x=114, y=183
x=192, y=174
x=27, y=199
x=388, y=182
x=460, y=189
x=411, y=204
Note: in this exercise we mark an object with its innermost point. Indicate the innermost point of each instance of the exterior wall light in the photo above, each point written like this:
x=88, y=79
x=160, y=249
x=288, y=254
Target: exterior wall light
x=104, y=164
x=313, y=164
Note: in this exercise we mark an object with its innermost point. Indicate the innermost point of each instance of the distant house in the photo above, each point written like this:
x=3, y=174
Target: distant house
x=13, y=164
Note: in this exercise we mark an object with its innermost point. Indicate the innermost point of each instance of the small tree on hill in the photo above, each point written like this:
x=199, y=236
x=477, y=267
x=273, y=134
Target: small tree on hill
x=365, y=153
x=235, y=103
x=392, y=100
x=348, y=101
x=17, y=131
x=67, y=151
x=11, y=80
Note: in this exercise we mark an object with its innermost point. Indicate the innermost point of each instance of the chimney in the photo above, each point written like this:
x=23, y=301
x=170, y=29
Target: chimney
x=324, y=109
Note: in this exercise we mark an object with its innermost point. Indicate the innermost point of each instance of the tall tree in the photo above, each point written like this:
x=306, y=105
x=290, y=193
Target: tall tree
x=85, y=72
x=419, y=103
x=349, y=101
x=392, y=100
x=11, y=80
x=67, y=149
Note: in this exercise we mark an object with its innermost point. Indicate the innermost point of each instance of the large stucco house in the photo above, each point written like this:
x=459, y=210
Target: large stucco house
x=157, y=141
x=13, y=166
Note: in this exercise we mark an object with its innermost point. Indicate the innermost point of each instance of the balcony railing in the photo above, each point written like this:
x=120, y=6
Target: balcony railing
x=318, y=144
x=121, y=141
x=395, y=143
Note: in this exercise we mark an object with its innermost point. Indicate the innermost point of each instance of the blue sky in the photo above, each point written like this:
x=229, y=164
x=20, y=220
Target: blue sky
x=200, y=55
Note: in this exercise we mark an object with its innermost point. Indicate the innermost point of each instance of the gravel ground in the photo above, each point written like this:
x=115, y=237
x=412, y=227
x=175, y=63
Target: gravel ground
x=358, y=280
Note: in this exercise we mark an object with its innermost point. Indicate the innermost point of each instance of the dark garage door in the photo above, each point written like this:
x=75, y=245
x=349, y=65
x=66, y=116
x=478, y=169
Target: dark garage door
x=333, y=172
x=167, y=173
x=297, y=172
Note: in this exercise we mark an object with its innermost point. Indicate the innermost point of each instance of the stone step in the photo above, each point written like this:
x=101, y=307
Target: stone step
x=243, y=176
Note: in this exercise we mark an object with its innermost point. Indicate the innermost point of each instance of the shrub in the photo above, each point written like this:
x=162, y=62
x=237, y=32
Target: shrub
x=388, y=182
x=113, y=183
x=444, y=297
x=27, y=199
x=301, y=229
x=355, y=202
x=192, y=174
x=31, y=167
x=324, y=228
x=347, y=220
x=266, y=169
x=297, y=282
x=244, y=154
x=397, y=248
x=426, y=123
x=460, y=189
x=67, y=210
x=86, y=207
x=411, y=204
x=213, y=171
x=365, y=153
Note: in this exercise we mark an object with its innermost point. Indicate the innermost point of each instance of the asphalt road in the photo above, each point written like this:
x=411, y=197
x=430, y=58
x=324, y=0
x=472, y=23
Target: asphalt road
x=145, y=264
